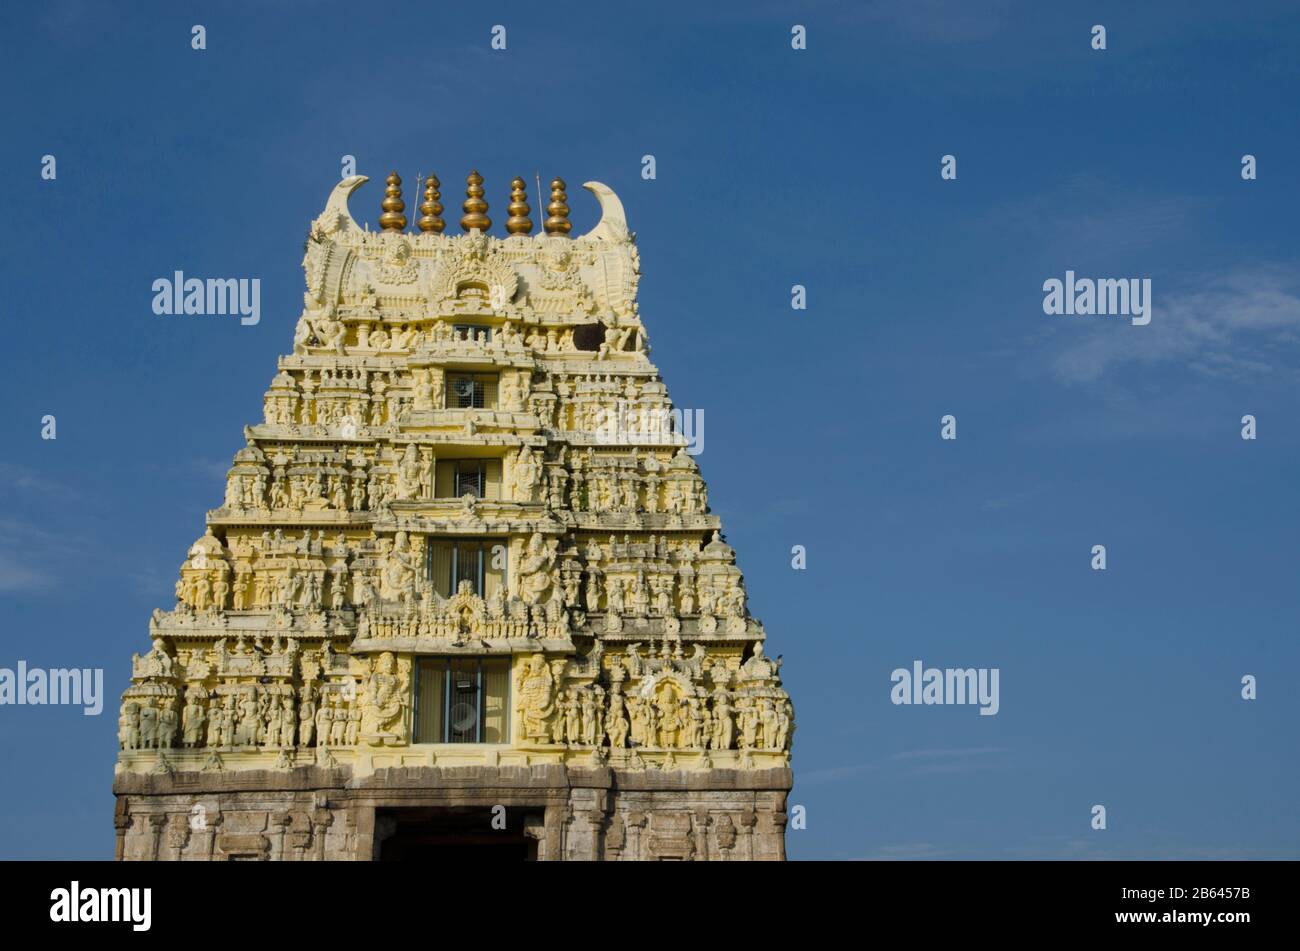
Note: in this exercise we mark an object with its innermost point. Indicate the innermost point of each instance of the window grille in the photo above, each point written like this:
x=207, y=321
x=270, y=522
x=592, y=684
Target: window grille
x=471, y=391
x=479, y=477
x=480, y=561
x=462, y=700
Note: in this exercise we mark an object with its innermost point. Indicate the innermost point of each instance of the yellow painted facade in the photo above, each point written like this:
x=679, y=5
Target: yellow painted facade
x=467, y=532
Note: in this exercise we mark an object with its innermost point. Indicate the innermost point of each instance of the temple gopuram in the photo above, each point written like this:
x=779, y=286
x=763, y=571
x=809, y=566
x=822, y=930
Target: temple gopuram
x=465, y=595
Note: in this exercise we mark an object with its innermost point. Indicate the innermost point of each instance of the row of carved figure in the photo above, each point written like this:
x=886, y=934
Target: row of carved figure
x=603, y=489
x=284, y=406
x=257, y=590
x=666, y=594
x=644, y=421
x=609, y=422
x=644, y=549
x=254, y=717
x=616, y=491
x=639, y=596
x=665, y=715
x=273, y=716
x=583, y=717
x=586, y=402
x=393, y=570
x=614, y=420
x=317, y=329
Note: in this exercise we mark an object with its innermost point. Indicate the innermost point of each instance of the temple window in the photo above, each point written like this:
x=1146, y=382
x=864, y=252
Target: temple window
x=479, y=561
x=462, y=700
x=480, y=478
x=472, y=332
x=471, y=391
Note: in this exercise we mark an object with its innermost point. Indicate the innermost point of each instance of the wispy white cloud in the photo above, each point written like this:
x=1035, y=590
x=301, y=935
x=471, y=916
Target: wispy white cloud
x=912, y=762
x=16, y=575
x=25, y=479
x=819, y=777
x=1088, y=215
x=1239, y=325
x=950, y=753
x=907, y=852
x=28, y=553
x=210, y=468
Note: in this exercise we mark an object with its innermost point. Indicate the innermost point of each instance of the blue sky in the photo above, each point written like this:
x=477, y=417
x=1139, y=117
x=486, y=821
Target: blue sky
x=774, y=167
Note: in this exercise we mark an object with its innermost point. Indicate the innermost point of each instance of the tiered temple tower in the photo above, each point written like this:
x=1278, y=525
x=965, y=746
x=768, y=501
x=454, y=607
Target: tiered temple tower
x=465, y=589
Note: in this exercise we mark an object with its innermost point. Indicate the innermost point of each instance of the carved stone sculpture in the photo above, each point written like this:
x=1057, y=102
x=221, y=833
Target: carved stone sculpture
x=578, y=601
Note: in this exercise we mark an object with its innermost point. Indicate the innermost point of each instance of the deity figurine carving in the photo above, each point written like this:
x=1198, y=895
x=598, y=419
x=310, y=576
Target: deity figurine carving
x=397, y=266
x=535, y=569
x=382, y=716
x=670, y=717
x=128, y=726
x=422, y=381
x=397, y=579
x=511, y=400
x=307, y=715
x=536, y=703
x=616, y=720
x=526, y=473
x=723, y=726
x=409, y=474
x=193, y=717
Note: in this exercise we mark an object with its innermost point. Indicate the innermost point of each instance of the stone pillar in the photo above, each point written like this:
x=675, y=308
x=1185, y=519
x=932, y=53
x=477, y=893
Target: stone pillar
x=279, y=823
x=157, y=822
x=321, y=820
x=208, y=835
x=771, y=836
x=747, y=820
x=595, y=821
x=636, y=823
x=700, y=822
x=615, y=838
x=537, y=832
x=557, y=815
x=178, y=833
x=121, y=824
x=372, y=832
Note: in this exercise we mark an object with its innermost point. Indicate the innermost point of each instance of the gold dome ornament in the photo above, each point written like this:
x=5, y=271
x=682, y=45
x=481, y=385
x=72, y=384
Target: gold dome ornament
x=431, y=208
x=475, y=207
x=392, y=219
x=558, y=223
x=518, y=222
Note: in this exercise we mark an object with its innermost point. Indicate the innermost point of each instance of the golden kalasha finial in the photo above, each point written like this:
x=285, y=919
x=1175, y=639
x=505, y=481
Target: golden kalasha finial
x=558, y=223
x=475, y=207
x=431, y=207
x=518, y=222
x=392, y=219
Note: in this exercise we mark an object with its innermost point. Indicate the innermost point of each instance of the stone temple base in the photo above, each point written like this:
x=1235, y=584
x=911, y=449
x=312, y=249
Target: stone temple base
x=545, y=812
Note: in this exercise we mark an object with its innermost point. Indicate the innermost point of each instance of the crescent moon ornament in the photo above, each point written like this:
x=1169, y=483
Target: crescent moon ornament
x=613, y=221
x=336, y=218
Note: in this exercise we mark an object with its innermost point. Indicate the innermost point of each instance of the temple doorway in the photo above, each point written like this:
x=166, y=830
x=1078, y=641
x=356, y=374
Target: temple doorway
x=466, y=834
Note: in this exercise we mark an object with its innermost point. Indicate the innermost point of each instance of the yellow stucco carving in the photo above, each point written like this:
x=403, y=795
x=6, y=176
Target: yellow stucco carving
x=457, y=391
